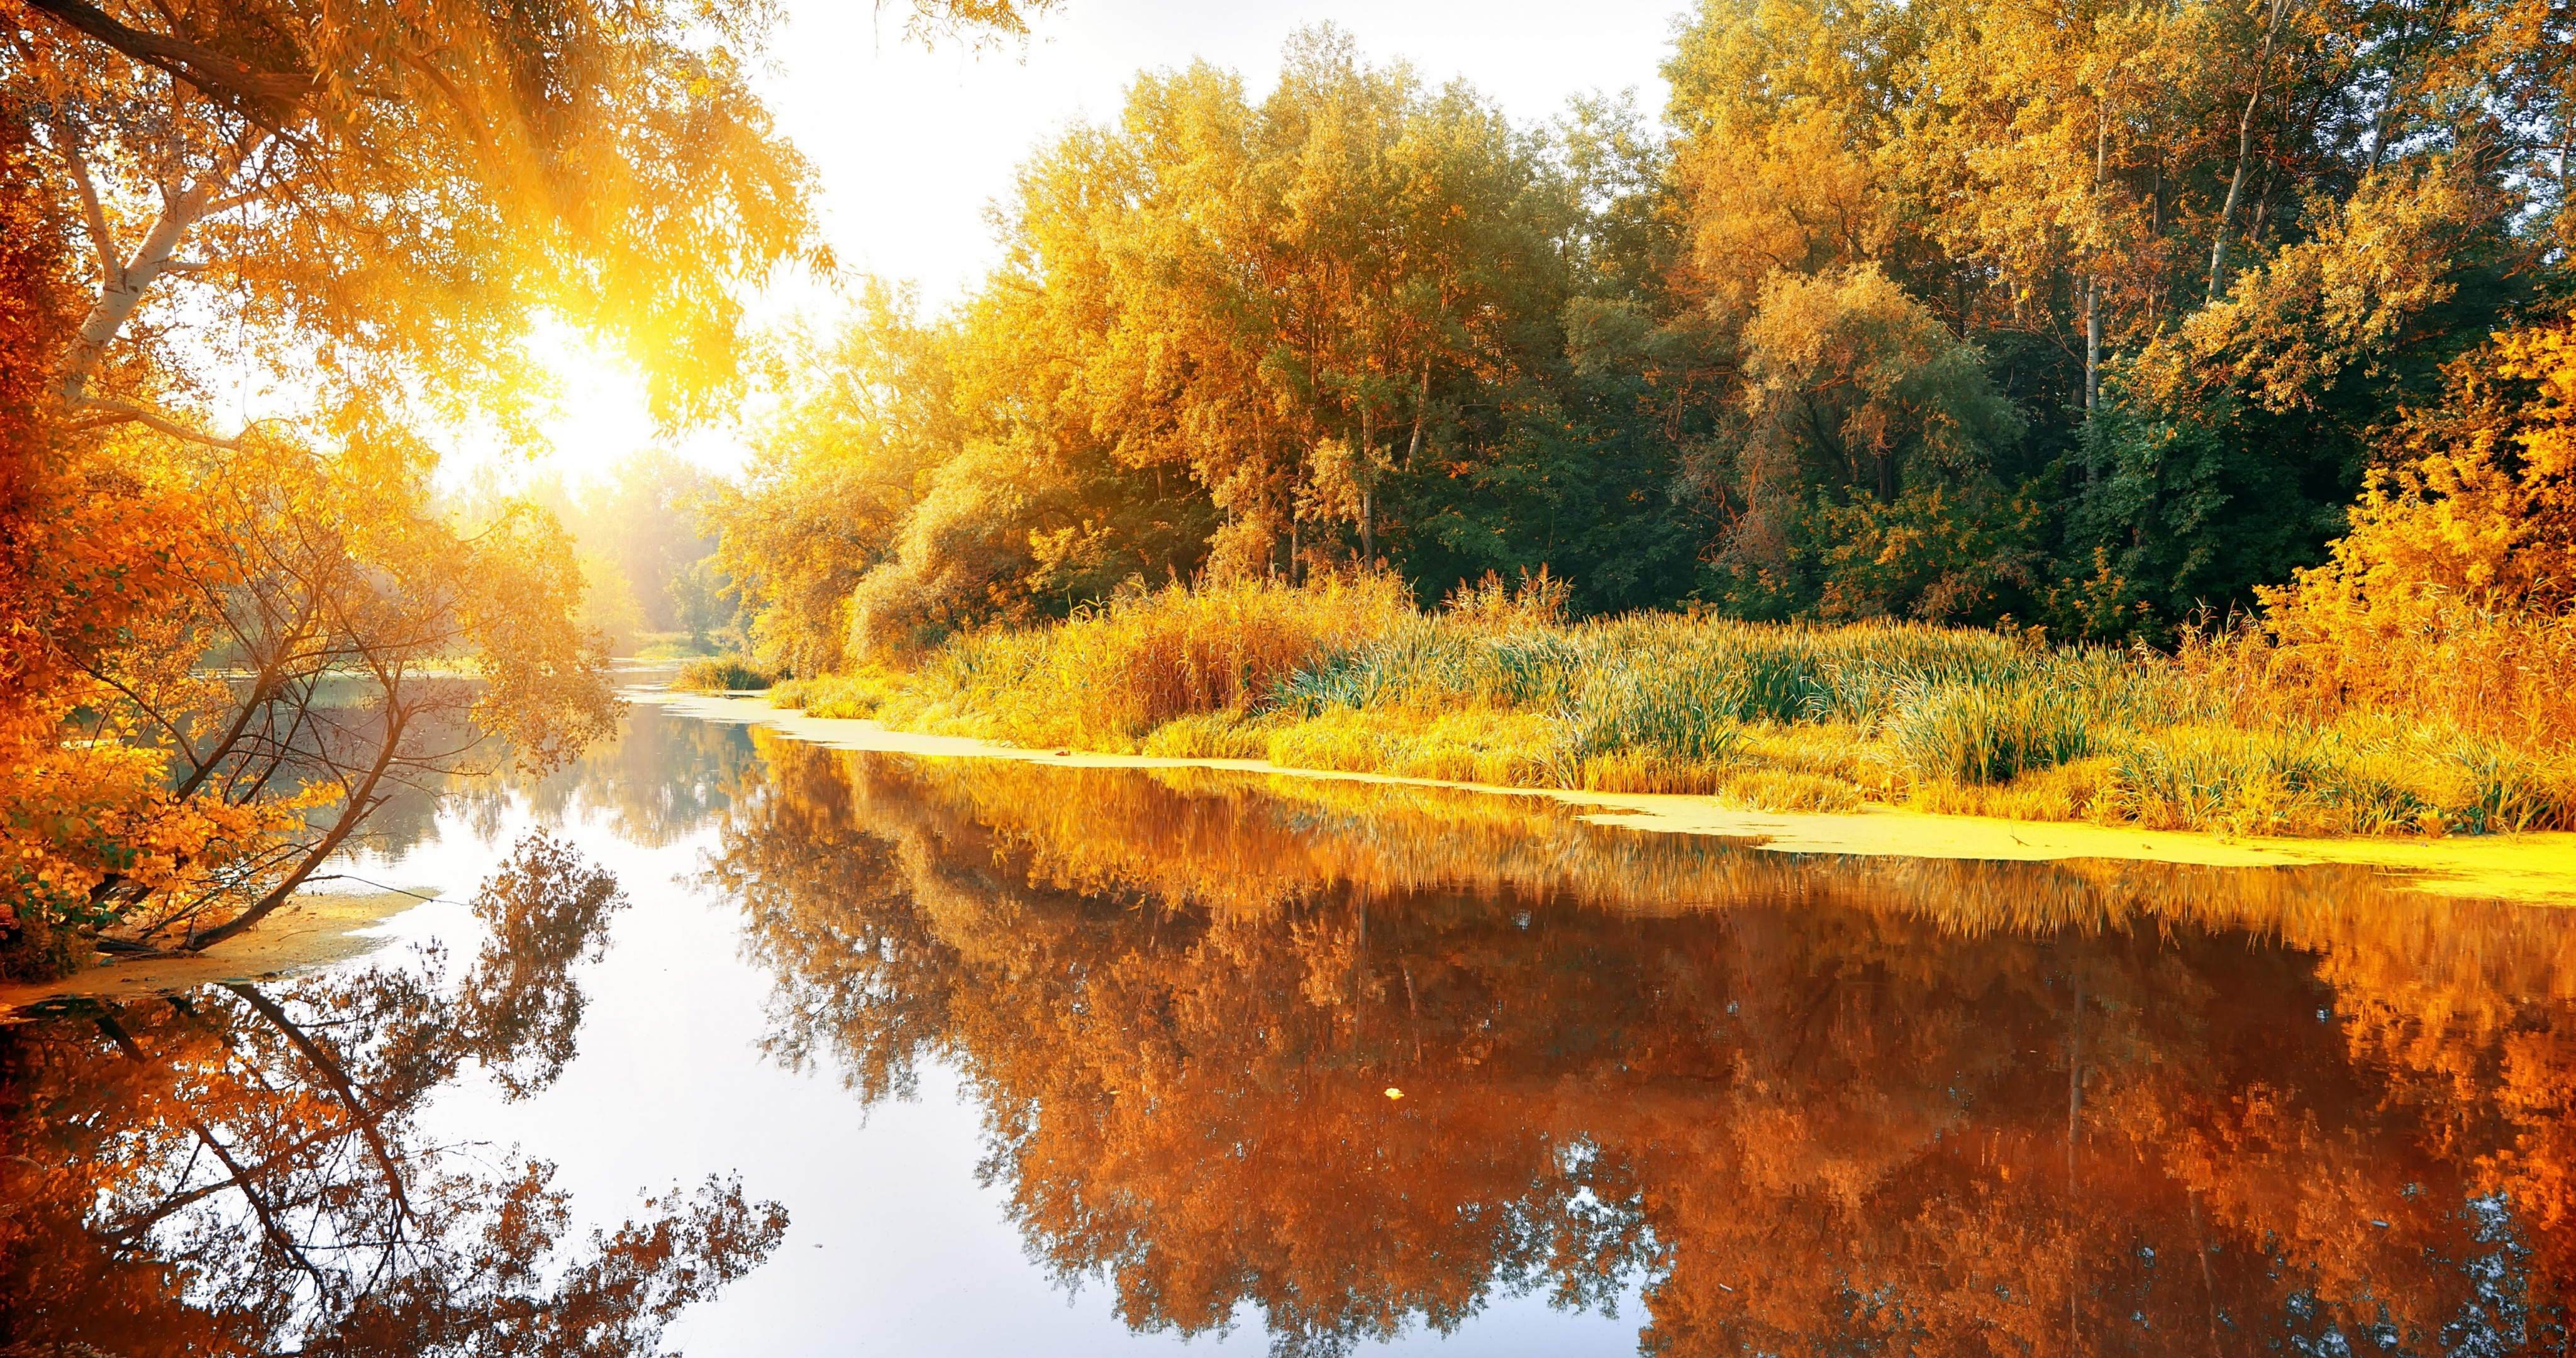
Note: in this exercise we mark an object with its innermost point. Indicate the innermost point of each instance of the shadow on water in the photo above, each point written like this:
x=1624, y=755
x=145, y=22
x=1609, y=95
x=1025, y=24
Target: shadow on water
x=1356, y=1059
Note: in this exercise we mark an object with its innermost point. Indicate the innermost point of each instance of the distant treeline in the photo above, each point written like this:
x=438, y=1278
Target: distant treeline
x=2086, y=318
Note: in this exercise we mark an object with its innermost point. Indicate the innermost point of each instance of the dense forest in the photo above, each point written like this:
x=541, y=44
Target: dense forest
x=2090, y=316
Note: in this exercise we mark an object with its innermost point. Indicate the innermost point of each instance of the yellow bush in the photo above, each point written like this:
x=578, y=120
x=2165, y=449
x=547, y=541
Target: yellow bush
x=2449, y=598
x=859, y=694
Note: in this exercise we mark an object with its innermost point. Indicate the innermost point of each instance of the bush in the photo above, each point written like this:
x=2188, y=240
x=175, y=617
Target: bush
x=723, y=674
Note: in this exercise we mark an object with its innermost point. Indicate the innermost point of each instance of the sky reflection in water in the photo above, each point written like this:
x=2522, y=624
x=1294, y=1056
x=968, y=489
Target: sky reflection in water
x=991, y=1033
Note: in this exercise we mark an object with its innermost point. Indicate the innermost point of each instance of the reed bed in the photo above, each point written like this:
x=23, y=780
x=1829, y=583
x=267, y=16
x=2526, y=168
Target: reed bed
x=1498, y=688
x=723, y=674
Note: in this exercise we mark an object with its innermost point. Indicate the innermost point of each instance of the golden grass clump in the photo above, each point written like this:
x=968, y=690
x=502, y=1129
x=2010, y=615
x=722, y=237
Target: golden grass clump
x=723, y=674
x=1107, y=676
x=857, y=694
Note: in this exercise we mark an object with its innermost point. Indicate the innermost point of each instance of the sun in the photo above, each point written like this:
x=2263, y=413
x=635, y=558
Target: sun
x=600, y=411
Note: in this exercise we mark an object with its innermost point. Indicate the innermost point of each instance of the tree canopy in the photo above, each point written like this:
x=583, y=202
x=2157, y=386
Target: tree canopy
x=2089, y=316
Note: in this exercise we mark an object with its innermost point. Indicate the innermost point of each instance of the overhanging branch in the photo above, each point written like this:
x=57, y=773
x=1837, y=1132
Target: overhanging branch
x=262, y=96
x=114, y=412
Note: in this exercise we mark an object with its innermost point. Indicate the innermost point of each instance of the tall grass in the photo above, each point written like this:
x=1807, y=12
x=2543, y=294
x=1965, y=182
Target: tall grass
x=2506, y=676
x=1985, y=733
x=1497, y=688
x=1106, y=677
x=723, y=673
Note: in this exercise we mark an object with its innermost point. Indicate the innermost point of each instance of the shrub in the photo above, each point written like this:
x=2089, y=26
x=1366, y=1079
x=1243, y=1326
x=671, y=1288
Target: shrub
x=2453, y=594
x=838, y=695
x=723, y=674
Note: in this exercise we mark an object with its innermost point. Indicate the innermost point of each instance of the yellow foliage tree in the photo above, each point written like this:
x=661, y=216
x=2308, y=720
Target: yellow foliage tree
x=2453, y=590
x=225, y=653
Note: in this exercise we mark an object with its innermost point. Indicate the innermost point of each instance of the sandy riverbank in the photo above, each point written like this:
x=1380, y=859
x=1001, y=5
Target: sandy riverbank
x=313, y=930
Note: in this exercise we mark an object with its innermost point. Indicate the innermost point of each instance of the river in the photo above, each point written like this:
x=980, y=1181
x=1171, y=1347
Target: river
x=752, y=1047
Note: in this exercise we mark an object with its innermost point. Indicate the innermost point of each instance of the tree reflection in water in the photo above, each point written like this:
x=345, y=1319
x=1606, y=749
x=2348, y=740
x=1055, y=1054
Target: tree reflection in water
x=1807, y=1105
x=239, y=1170
x=654, y=783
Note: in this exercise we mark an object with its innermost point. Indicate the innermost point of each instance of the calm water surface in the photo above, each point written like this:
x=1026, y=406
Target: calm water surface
x=804, y=1052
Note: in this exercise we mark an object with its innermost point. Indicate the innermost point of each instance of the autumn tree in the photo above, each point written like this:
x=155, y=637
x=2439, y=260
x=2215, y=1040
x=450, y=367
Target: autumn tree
x=89, y=546
x=371, y=206
x=2145, y=287
x=1251, y=337
x=1863, y=457
x=2205, y=248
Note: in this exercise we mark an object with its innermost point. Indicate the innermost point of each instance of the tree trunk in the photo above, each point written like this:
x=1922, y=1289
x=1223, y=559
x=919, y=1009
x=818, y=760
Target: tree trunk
x=2093, y=281
x=2092, y=344
x=2244, y=153
x=123, y=290
x=348, y=823
x=1366, y=466
x=1421, y=407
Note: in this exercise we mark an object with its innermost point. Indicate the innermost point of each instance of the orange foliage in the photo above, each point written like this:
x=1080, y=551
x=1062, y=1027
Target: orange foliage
x=1954, y=1107
x=2451, y=595
x=91, y=545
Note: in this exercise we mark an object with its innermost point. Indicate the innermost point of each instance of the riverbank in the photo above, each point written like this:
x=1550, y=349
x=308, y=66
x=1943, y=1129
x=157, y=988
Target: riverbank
x=315, y=929
x=2533, y=868
x=2231, y=736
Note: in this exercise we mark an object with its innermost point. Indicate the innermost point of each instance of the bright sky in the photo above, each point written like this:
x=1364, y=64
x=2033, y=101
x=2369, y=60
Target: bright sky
x=912, y=145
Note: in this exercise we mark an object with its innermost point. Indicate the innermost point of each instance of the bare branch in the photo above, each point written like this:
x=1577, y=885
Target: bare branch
x=240, y=1177
x=331, y=1071
x=92, y=214
x=359, y=806
x=124, y=412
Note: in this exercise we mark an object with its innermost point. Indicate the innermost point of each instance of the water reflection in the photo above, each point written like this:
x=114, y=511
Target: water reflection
x=1818, y=1105
x=241, y=1170
x=655, y=783
x=1814, y=1105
